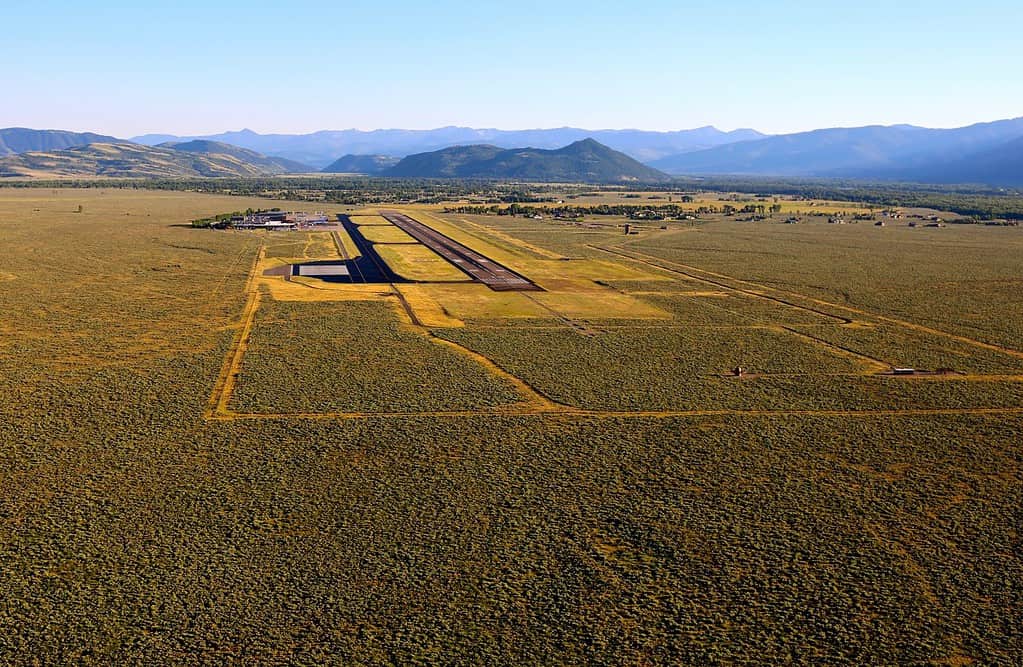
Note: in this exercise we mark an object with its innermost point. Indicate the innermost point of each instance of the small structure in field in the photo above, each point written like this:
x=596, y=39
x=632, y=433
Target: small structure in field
x=270, y=225
x=307, y=219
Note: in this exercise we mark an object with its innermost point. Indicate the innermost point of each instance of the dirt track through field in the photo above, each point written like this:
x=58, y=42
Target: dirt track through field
x=651, y=261
x=510, y=240
x=688, y=271
x=218, y=405
x=875, y=365
x=222, y=390
x=607, y=414
x=537, y=403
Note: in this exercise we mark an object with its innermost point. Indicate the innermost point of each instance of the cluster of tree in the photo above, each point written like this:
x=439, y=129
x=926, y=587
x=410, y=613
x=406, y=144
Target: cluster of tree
x=571, y=211
x=980, y=203
x=222, y=219
x=218, y=219
x=345, y=190
x=750, y=209
x=633, y=211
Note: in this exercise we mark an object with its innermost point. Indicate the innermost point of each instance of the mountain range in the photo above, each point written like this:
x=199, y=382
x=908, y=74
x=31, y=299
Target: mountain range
x=1000, y=166
x=320, y=149
x=270, y=165
x=582, y=161
x=14, y=140
x=361, y=164
x=127, y=160
x=898, y=152
x=984, y=153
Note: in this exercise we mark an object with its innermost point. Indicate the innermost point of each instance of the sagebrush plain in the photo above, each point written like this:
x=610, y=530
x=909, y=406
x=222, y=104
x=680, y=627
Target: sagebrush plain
x=204, y=463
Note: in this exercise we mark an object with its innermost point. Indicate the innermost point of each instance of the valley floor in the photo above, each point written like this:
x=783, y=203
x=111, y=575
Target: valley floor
x=203, y=461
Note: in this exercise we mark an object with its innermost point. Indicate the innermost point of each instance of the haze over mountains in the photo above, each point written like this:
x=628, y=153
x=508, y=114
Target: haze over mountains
x=585, y=160
x=361, y=164
x=1001, y=166
x=320, y=149
x=277, y=165
x=14, y=140
x=898, y=152
x=127, y=160
x=985, y=153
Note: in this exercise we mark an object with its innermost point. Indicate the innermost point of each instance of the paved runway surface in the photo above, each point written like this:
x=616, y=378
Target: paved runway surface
x=485, y=270
x=366, y=267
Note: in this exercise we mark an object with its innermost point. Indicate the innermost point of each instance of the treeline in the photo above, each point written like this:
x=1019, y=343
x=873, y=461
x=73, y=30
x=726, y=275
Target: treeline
x=500, y=191
x=978, y=202
x=634, y=211
x=354, y=191
x=216, y=220
x=221, y=219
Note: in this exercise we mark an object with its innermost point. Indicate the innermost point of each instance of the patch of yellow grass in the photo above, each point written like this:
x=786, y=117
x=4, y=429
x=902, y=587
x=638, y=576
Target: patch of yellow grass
x=417, y=262
x=320, y=245
x=543, y=252
x=427, y=309
x=476, y=301
x=347, y=245
x=369, y=220
x=312, y=289
x=667, y=293
x=549, y=273
x=571, y=287
x=588, y=270
x=495, y=250
x=603, y=305
x=310, y=246
x=385, y=234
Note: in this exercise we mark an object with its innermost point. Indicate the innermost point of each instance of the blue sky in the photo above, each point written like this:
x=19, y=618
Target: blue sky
x=189, y=67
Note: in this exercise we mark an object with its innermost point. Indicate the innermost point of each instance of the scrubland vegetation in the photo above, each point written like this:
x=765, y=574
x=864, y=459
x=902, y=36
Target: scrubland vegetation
x=355, y=357
x=962, y=279
x=974, y=203
x=134, y=531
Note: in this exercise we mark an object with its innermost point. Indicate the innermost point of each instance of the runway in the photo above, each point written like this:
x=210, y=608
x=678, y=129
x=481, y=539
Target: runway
x=483, y=269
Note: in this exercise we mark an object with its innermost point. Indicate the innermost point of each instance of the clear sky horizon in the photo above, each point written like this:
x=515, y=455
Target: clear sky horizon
x=192, y=67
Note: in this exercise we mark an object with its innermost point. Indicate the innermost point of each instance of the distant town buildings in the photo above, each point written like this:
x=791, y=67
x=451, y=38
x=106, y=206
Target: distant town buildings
x=279, y=220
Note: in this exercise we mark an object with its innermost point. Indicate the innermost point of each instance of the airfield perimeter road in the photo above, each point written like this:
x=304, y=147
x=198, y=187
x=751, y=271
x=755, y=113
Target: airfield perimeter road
x=495, y=276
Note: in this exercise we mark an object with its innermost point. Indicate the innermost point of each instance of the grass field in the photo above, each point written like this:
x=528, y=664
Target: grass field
x=355, y=357
x=369, y=219
x=203, y=464
x=415, y=261
x=388, y=233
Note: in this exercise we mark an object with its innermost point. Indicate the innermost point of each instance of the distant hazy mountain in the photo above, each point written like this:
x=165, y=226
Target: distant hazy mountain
x=982, y=153
x=999, y=166
x=20, y=140
x=270, y=164
x=583, y=161
x=136, y=161
x=322, y=148
x=865, y=152
x=361, y=164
